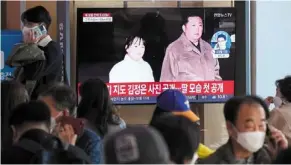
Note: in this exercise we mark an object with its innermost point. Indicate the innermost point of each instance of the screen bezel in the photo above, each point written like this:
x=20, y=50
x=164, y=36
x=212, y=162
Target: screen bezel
x=240, y=82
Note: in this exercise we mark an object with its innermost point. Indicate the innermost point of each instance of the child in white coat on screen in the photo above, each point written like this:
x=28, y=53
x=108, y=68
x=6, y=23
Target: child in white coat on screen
x=132, y=68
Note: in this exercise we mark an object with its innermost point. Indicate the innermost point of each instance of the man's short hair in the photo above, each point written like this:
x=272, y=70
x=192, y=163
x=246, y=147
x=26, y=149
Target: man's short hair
x=63, y=95
x=30, y=112
x=284, y=86
x=181, y=134
x=186, y=13
x=37, y=14
x=221, y=36
x=233, y=105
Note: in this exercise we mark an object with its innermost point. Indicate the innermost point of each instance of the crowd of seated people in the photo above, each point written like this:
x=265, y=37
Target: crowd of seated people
x=49, y=125
x=54, y=129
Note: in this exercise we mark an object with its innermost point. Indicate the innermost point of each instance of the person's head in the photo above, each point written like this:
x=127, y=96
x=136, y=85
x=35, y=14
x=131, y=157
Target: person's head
x=246, y=122
x=136, y=145
x=96, y=105
x=181, y=135
x=13, y=93
x=60, y=98
x=135, y=47
x=221, y=41
x=33, y=18
x=193, y=28
x=36, y=16
x=284, y=89
x=28, y=116
x=175, y=102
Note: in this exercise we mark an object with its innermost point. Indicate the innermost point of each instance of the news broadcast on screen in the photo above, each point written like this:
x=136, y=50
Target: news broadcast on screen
x=140, y=52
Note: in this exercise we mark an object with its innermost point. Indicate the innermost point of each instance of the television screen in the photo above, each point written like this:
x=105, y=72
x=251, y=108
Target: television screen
x=140, y=52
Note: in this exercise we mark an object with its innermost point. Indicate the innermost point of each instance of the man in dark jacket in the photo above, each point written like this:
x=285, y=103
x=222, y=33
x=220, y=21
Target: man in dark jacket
x=31, y=123
x=62, y=99
x=248, y=131
x=36, y=23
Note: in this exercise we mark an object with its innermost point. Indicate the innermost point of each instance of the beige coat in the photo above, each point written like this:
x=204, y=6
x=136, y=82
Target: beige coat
x=184, y=62
x=281, y=119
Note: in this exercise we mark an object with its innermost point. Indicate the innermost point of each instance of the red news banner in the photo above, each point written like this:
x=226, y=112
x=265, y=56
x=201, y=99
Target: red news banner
x=154, y=89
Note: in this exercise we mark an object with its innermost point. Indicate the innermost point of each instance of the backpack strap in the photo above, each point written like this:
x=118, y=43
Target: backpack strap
x=30, y=145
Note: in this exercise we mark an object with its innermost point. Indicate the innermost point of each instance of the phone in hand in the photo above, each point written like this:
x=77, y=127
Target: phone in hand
x=39, y=31
x=78, y=124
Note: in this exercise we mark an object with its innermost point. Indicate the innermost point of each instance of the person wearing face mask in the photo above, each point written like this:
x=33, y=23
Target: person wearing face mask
x=277, y=100
x=132, y=68
x=36, y=22
x=249, y=136
x=62, y=100
x=281, y=115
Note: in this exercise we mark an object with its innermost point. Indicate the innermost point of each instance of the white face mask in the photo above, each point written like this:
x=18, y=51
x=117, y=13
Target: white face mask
x=251, y=141
x=277, y=101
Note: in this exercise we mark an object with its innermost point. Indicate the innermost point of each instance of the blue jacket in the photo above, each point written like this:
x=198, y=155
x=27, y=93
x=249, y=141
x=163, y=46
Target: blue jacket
x=91, y=143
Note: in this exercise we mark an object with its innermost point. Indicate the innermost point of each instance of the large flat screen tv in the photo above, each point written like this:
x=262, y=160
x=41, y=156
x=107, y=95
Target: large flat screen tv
x=139, y=52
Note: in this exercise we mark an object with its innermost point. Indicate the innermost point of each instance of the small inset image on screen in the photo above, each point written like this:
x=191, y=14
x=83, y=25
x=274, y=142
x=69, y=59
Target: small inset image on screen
x=221, y=44
x=140, y=52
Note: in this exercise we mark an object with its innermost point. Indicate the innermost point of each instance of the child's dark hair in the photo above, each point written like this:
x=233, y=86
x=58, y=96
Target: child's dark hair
x=130, y=39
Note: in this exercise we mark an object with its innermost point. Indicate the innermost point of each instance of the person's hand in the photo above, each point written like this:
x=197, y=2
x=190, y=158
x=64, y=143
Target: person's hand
x=279, y=138
x=269, y=100
x=66, y=133
x=29, y=37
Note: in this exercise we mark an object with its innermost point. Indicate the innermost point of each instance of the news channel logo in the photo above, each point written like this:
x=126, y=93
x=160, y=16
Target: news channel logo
x=221, y=44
